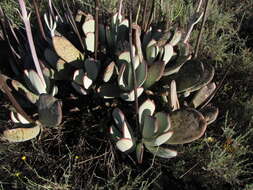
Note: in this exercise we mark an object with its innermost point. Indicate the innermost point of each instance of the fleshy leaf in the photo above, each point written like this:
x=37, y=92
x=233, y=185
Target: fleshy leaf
x=51, y=57
x=187, y=125
x=152, y=51
x=108, y=72
x=90, y=41
x=123, y=30
x=119, y=118
x=149, y=127
x=122, y=84
x=124, y=144
x=203, y=94
x=163, y=138
x=36, y=81
x=24, y=91
x=174, y=68
x=14, y=117
x=163, y=122
x=162, y=152
x=141, y=73
x=146, y=108
x=174, y=102
x=168, y=53
x=124, y=57
x=92, y=68
x=21, y=119
x=49, y=109
x=21, y=134
x=210, y=113
x=115, y=133
x=66, y=50
x=126, y=131
x=87, y=82
x=78, y=76
x=193, y=75
x=89, y=25
x=79, y=88
x=155, y=72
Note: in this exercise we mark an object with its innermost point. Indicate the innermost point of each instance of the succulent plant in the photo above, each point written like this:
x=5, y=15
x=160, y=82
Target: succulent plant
x=124, y=86
x=180, y=126
x=68, y=62
x=160, y=60
x=156, y=54
x=84, y=78
x=34, y=83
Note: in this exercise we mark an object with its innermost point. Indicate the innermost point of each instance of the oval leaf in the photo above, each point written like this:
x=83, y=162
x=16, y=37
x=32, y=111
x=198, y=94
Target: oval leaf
x=90, y=41
x=168, y=53
x=203, y=94
x=163, y=138
x=49, y=109
x=146, y=108
x=155, y=72
x=163, y=122
x=124, y=144
x=21, y=134
x=108, y=72
x=89, y=25
x=149, y=127
x=65, y=49
x=162, y=152
x=210, y=114
x=187, y=125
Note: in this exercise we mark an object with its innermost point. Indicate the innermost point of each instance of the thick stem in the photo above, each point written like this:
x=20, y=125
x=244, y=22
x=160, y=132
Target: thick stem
x=132, y=64
x=30, y=39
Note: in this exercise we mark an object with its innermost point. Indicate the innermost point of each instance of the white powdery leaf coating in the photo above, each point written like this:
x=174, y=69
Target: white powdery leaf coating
x=87, y=82
x=14, y=118
x=163, y=138
x=125, y=22
x=36, y=81
x=121, y=78
x=168, y=53
x=22, y=119
x=124, y=144
x=90, y=41
x=108, y=72
x=126, y=132
x=147, y=105
x=173, y=96
x=88, y=26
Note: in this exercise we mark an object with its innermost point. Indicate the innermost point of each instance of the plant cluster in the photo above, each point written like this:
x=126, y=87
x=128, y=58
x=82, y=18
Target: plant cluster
x=119, y=61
